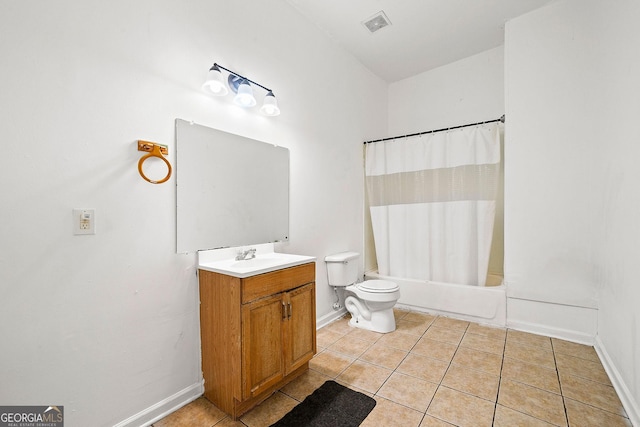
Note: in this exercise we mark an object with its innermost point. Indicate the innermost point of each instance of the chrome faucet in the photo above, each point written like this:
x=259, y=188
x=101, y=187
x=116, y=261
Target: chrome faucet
x=245, y=255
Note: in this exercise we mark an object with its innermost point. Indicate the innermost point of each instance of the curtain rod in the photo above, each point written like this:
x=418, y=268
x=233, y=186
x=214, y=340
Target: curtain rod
x=501, y=119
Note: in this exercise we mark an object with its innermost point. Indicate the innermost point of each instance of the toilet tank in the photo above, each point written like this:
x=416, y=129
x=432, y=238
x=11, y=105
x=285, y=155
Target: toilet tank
x=342, y=268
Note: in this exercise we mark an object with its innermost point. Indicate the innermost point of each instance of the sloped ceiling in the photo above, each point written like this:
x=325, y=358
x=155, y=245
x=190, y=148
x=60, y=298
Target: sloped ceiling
x=424, y=34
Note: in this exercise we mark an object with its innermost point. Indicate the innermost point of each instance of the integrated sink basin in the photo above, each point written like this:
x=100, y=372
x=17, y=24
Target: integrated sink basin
x=262, y=263
x=256, y=263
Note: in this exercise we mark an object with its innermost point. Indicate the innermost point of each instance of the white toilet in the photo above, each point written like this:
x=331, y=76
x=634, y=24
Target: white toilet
x=370, y=302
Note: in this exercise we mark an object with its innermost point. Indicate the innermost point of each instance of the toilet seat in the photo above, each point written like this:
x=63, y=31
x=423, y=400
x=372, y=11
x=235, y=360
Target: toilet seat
x=378, y=291
x=378, y=286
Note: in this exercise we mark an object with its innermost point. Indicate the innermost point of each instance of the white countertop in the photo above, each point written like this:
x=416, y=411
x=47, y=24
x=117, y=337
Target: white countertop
x=266, y=260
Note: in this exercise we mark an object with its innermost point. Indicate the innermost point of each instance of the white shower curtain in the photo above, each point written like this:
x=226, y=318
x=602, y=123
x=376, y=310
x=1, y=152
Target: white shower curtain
x=432, y=199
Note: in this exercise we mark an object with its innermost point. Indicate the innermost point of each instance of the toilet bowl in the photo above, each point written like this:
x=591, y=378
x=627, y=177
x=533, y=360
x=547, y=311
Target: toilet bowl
x=371, y=305
x=370, y=302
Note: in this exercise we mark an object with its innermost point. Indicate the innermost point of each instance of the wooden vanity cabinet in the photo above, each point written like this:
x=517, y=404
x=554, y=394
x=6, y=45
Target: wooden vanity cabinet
x=258, y=333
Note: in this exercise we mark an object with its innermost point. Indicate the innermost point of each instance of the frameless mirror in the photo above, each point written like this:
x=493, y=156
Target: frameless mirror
x=231, y=190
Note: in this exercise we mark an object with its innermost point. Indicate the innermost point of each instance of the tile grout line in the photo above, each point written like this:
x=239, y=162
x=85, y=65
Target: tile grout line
x=394, y=370
x=440, y=382
x=450, y=362
x=557, y=348
x=424, y=414
x=495, y=407
x=564, y=403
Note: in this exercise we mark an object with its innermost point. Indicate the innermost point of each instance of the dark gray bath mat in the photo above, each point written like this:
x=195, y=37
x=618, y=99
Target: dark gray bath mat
x=331, y=405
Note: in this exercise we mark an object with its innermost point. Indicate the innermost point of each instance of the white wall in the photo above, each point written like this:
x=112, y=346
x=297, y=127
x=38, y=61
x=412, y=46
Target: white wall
x=617, y=231
x=550, y=158
x=107, y=325
x=549, y=171
x=571, y=183
x=466, y=91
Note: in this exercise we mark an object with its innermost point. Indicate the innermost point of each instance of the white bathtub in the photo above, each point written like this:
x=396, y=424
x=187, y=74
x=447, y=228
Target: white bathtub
x=481, y=304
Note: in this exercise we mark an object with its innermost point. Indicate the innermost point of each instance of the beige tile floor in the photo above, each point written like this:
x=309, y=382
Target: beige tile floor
x=436, y=371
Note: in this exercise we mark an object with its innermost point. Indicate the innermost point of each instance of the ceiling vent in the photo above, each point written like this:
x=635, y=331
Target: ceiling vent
x=377, y=22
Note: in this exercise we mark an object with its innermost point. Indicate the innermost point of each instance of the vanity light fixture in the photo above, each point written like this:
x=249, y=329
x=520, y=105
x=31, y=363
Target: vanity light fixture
x=244, y=93
x=214, y=84
x=242, y=87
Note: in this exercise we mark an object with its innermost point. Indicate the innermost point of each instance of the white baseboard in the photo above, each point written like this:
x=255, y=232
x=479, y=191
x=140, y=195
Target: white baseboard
x=330, y=317
x=630, y=405
x=571, y=323
x=552, y=332
x=163, y=408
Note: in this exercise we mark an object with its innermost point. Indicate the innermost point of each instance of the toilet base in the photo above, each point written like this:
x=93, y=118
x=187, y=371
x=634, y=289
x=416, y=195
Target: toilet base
x=382, y=321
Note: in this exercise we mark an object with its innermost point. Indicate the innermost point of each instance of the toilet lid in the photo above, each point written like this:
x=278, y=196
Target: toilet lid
x=378, y=286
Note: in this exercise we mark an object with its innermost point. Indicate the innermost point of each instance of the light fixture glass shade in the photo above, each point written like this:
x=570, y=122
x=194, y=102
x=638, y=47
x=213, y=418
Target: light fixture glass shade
x=215, y=84
x=270, y=105
x=244, y=97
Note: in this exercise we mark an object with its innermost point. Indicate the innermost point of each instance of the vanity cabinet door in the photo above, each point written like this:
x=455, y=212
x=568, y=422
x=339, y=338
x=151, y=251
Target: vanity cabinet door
x=262, y=344
x=300, y=327
x=257, y=333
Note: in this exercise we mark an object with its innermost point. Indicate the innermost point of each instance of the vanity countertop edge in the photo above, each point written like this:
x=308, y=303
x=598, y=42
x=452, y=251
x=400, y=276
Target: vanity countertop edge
x=264, y=262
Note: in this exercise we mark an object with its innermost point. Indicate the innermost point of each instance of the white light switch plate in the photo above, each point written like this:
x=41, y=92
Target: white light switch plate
x=84, y=221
